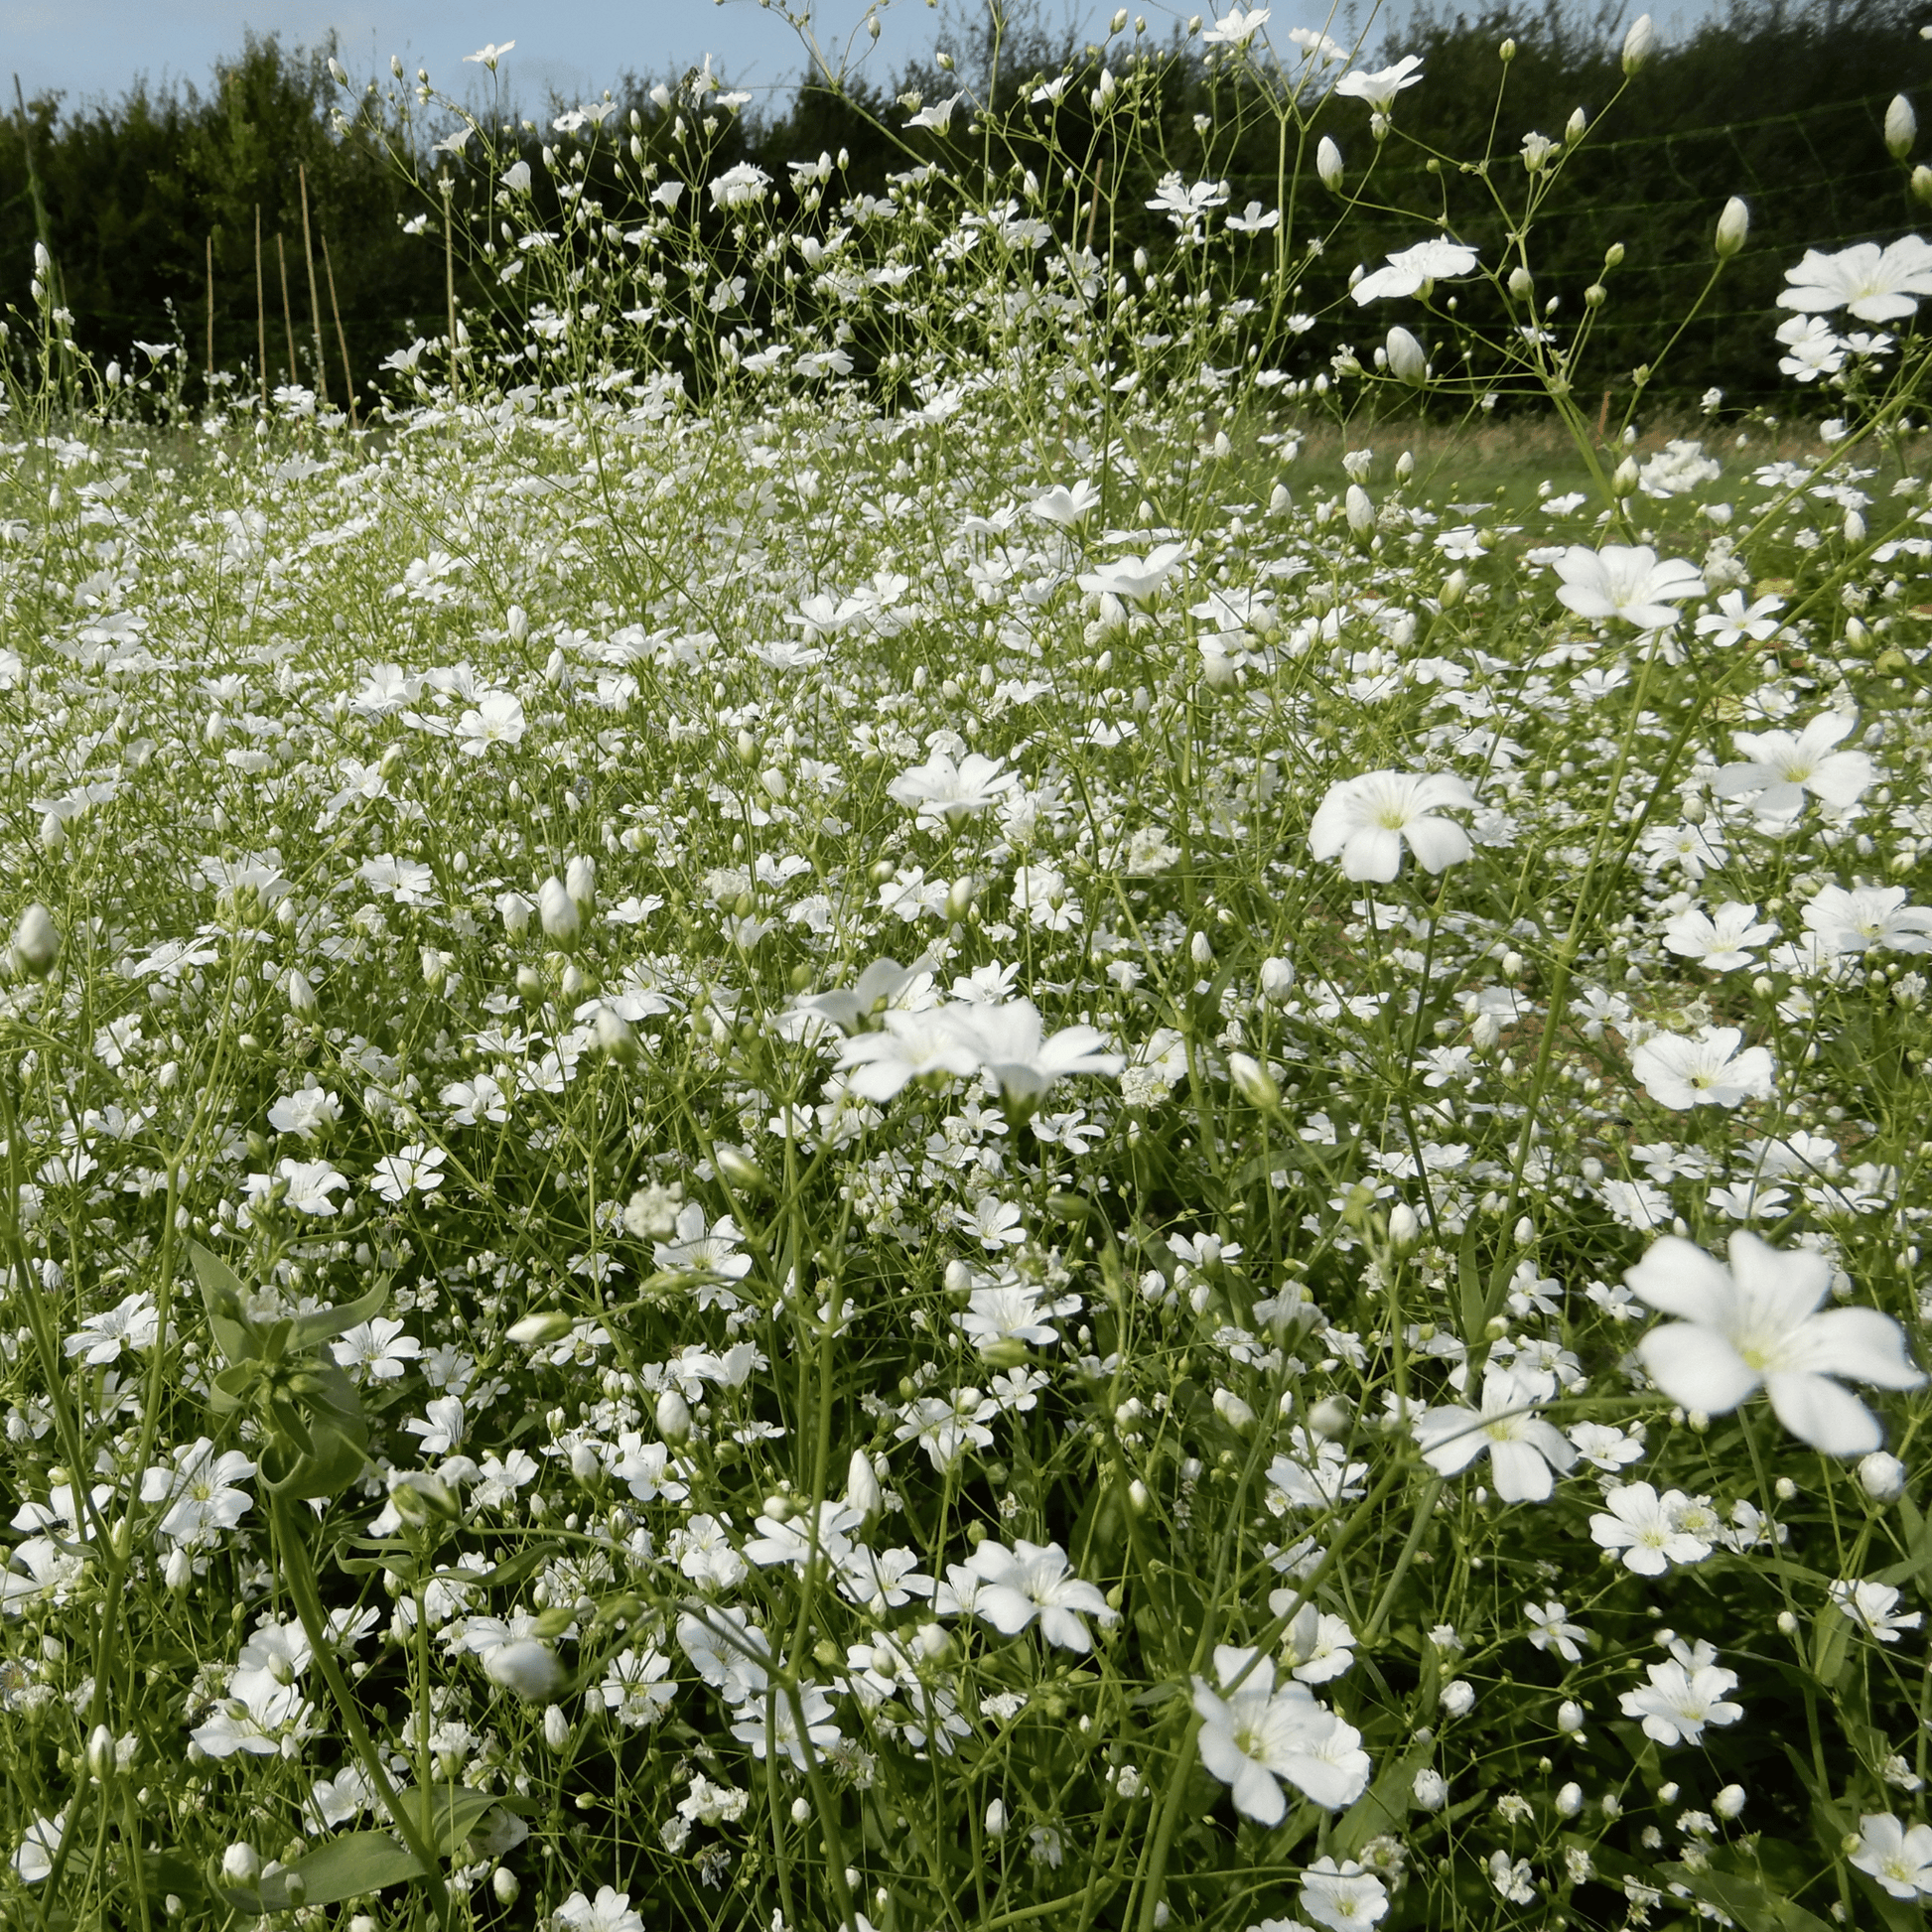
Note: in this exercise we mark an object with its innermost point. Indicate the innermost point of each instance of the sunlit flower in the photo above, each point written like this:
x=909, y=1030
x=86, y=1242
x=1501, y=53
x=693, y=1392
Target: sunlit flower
x=1235, y=28
x=1681, y=1072
x=1872, y=283
x=1411, y=270
x=1868, y=918
x=1630, y=583
x=1721, y=940
x=1522, y=1447
x=1254, y=1735
x=1368, y=820
x=1901, y=1859
x=1380, y=89
x=1683, y=1696
x=1779, y=768
x=1757, y=1322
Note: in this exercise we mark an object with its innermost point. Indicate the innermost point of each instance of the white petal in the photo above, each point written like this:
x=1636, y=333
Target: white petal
x=1696, y=1366
x=1822, y=1414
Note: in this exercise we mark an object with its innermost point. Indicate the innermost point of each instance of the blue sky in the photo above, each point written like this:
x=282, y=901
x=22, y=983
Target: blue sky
x=87, y=49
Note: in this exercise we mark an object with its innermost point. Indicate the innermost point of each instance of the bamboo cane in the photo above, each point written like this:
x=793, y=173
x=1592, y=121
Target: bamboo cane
x=341, y=340
x=315, y=306
x=288, y=309
x=210, y=310
x=261, y=311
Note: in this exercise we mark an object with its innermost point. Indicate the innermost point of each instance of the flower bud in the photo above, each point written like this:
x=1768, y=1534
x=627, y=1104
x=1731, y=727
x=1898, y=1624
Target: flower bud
x=1201, y=949
x=1733, y=225
x=529, y=984
x=36, y=941
x=583, y=1463
x=1570, y=1716
x=1459, y=1696
x=1506, y=53
x=1882, y=1477
x=556, y=910
x=1405, y=1228
x=1253, y=1082
x=580, y=881
x=1277, y=981
x=1614, y=255
x=1638, y=43
x=1730, y=1801
x=1407, y=359
x=673, y=1416
x=100, y=1752
x=1238, y=1416
x=241, y=1864
x=545, y=1326
x=1575, y=127
x=862, y=1489
x=1901, y=127
x=1361, y=509
x=1625, y=479
x=1430, y=1790
x=1569, y=1801
x=179, y=1571
x=504, y=1881
x=996, y=1818
x=738, y=1168
x=614, y=1034
x=525, y=1667
x=515, y=911
x=420, y=1494
x=1327, y=164
x=302, y=994
x=516, y=622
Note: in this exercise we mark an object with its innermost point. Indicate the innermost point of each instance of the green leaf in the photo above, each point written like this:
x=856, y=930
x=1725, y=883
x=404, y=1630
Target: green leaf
x=224, y=1298
x=448, y=1812
x=345, y=1868
x=1382, y=1807
x=1831, y=1644
x=324, y=1324
x=1743, y=1900
x=1474, y=1296
x=332, y=1463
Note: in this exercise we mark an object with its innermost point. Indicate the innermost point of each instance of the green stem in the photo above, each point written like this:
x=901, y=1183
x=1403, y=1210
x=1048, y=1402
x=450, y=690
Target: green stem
x=300, y=1578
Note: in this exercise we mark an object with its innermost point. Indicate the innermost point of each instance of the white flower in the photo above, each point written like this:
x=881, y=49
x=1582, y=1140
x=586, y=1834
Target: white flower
x=1133, y=578
x=1343, y=1896
x=306, y=1113
x=1681, y=1072
x=1379, y=89
x=740, y=187
x=1411, y=270
x=609, y=1911
x=1779, y=768
x=1683, y=1696
x=495, y=719
x=1868, y=918
x=491, y=54
x=1064, y=506
x=1235, y=28
x=1254, y=1735
x=1522, y=1447
x=1551, y=1629
x=1720, y=940
x=1872, y=283
x=1367, y=821
x=416, y=1169
x=1873, y=1608
x=1757, y=1322
x=1647, y=1528
x=1034, y=1580
x=937, y=117
x=1619, y=581
x=42, y=1841
x=134, y=1323
x=1901, y=1859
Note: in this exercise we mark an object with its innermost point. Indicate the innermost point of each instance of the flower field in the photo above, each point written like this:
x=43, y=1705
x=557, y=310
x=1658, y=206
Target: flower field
x=858, y=1123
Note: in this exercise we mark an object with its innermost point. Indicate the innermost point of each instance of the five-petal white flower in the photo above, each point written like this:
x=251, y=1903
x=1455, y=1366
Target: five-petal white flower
x=1757, y=1322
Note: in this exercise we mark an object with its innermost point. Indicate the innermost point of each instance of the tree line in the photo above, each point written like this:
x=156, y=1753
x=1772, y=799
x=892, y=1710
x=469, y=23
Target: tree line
x=208, y=217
